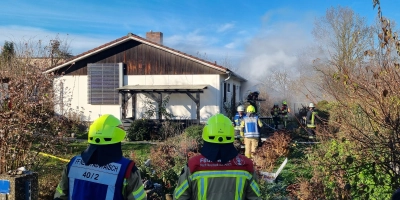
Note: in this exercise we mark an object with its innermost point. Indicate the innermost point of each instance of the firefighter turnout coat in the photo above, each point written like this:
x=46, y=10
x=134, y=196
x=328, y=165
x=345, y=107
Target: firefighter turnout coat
x=203, y=179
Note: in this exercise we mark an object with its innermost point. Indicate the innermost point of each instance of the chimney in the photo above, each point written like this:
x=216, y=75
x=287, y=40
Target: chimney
x=156, y=37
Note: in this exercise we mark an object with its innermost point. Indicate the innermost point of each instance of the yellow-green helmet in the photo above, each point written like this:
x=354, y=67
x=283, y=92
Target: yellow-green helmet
x=284, y=102
x=219, y=130
x=107, y=129
x=250, y=109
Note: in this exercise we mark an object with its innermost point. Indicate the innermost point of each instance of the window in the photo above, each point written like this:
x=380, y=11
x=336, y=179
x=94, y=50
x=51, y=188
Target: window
x=229, y=87
x=224, y=92
x=103, y=80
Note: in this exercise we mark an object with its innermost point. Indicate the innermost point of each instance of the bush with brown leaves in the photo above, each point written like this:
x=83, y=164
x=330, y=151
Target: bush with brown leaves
x=273, y=148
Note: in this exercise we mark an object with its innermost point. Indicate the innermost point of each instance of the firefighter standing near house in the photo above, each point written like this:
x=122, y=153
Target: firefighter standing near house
x=238, y=119
x=275, y=111
x=284, y=113
x=101, y=172
x=251, y=125
x=220, y=172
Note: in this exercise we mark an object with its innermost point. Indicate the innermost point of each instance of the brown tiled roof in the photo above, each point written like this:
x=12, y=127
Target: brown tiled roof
x=135, y=37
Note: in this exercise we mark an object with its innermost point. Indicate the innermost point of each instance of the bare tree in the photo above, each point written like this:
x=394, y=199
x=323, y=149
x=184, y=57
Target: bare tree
x=361, y=156
x=28, y=124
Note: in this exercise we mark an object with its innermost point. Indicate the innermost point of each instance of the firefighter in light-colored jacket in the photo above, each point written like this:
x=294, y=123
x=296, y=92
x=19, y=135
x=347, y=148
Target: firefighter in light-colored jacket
x=251, y=125
x=101, y=172
x=220, y=172
x=284, y=113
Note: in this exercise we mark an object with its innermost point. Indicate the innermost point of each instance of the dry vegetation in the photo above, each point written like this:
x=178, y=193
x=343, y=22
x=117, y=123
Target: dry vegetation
x=273, y=148
x=28, y=124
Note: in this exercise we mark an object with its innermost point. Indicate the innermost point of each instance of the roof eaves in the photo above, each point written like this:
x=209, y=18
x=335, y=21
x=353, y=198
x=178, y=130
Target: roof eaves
x=173, y=51
x=88, y=53
x=238, y=76
x=143, y=40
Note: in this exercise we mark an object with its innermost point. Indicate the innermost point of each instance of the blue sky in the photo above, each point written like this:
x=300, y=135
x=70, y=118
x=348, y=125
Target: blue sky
x=245, y=33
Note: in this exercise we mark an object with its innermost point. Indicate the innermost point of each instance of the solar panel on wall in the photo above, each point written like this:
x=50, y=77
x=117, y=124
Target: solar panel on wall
x=103, y=79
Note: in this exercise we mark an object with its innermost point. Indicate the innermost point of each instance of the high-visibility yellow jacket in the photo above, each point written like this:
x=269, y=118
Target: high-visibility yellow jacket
x=203, y=179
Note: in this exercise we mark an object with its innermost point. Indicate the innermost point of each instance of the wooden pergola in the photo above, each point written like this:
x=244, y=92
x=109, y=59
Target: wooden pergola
x=155, y=91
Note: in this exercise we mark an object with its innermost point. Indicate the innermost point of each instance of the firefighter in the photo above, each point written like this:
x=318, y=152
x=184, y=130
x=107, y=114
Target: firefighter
x=237, y=120
x=310, y=119
x=220, y=172
x=101, y=172
x=275, y=115
x=284, y=113
x=251, y=125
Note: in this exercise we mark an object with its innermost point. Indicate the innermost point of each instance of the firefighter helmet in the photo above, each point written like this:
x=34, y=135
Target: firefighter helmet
x=251, y=109
x=219, y=130
x=240, y=108
x=107, y=129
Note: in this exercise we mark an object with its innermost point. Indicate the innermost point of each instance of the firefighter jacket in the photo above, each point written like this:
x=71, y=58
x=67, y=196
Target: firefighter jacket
x=114, y=181
x=275, y=111
x=237, y=120
x=251, y=124
x=284, y=111
x=203, y=179
x=311, y=119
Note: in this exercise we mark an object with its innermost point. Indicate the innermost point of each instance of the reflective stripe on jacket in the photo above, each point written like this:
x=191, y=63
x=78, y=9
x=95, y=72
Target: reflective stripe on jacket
x=203, y=179
x=284, y=111
x=311, y=119
x=237, y=119
x=275, y=111
x=251, y=127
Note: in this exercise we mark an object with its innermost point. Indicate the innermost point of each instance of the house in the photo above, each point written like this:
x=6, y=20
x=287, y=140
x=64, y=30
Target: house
x=123, y=76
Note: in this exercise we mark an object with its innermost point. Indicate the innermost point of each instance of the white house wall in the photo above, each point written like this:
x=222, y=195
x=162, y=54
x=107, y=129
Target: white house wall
x=239, y=95
x=75, y=96
x=75, y=99
x=180, y=105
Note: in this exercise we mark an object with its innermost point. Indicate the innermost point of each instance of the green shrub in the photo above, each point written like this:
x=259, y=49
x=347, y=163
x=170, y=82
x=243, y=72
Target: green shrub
x=83, y=135
x=139, y=130
x=169, y=129
x=195, y=132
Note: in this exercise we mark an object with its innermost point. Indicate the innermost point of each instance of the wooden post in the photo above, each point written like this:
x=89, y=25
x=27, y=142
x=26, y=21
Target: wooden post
x=159, y=106
x=134, y=97
x=198, y=107
x=123, y=105
x=197, y=101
